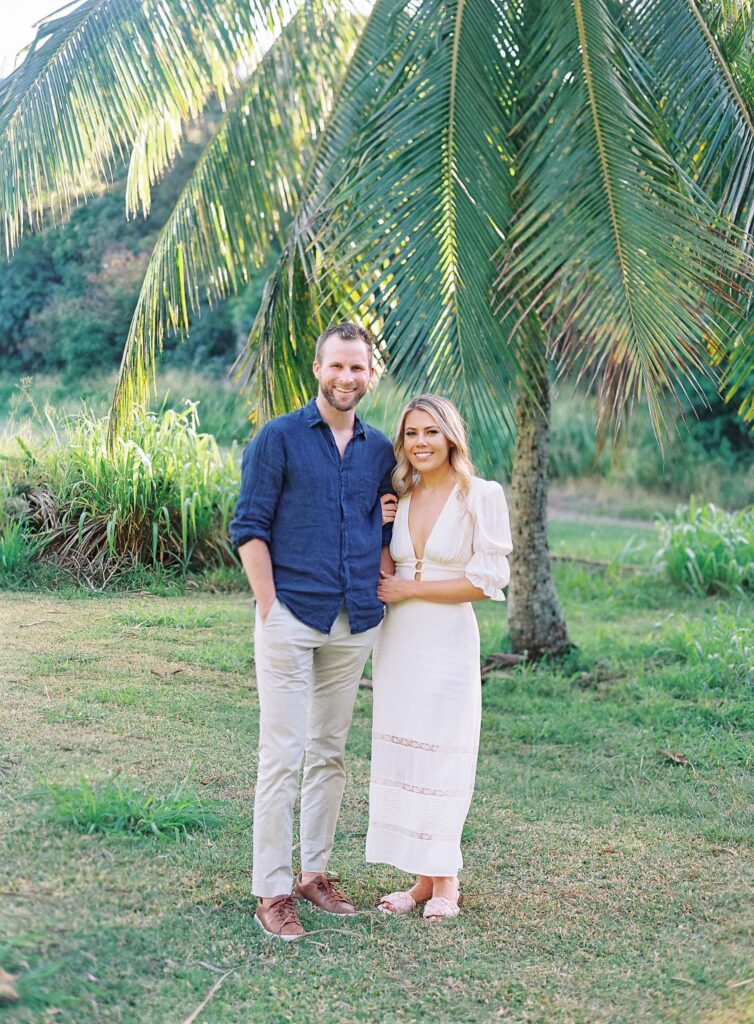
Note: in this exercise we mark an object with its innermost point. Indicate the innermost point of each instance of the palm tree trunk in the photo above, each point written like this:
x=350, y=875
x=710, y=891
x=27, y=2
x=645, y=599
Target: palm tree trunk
x=535, y=619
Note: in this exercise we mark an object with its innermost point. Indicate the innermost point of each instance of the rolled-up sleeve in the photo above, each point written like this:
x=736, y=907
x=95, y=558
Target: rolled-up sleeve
x=488, y=568
x=262, y=473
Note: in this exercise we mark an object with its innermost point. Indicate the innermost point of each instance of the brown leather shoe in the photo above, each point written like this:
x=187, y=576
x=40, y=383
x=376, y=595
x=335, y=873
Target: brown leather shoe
x=323, y=894
x=279, y=918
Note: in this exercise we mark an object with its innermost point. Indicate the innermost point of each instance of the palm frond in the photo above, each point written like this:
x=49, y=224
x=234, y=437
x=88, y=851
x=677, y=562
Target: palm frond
x=726, y=16
x=613, y=247
x=405, y=234
x=101, y=78
x=703, y=93
x=233, y=207
x=274, y=366
x=427, y=205
x=738, y=371
x=702, y=56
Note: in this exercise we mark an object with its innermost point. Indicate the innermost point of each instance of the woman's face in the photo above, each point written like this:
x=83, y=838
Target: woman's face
x=427, y=448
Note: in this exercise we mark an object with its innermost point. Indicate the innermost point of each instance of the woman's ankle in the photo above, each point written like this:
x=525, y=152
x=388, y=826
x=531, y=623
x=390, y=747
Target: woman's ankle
x=446, y=886
x=422, y=887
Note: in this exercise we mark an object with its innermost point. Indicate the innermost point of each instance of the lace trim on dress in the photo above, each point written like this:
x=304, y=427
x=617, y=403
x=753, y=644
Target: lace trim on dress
x=406, y=741
x=424, y=790
x=426, y=836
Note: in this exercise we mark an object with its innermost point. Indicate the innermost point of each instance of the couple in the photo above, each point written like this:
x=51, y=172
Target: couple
x=312, y=526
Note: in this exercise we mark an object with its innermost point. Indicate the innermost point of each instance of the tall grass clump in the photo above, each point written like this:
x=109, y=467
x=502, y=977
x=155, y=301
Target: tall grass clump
x=16, y=549
x=162, y=497
x=118, y=806
x=707, y=550
x=723, y=646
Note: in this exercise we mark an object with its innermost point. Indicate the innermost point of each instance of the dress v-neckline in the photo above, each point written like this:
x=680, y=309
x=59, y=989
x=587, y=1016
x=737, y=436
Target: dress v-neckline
x=434, y=525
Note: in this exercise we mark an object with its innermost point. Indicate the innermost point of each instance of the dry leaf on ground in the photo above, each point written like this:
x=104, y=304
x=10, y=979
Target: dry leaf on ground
x=675, y=758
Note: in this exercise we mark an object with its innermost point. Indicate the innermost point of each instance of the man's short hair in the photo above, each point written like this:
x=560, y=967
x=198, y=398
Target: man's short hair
x=348, y=331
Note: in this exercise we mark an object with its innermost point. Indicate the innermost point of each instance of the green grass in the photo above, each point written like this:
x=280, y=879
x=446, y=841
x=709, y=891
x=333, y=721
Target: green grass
x=605, y=882
x=116, y=805
x=602, y=542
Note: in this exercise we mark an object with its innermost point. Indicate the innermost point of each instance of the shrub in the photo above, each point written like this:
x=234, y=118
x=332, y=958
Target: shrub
x=163, y=496
x=708, y=550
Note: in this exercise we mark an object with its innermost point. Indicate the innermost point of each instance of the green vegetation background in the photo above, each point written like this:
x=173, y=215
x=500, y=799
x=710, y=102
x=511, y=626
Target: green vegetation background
x=66, y=300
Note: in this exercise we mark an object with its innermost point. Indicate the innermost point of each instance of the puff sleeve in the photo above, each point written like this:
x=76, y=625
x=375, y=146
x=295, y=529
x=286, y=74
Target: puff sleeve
x=488, y=567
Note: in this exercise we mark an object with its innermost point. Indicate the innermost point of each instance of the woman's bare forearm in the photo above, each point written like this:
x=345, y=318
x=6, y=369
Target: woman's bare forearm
x=446, y=591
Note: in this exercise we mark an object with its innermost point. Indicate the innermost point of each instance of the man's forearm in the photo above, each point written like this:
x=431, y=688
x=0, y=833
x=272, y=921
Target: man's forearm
x=387, y=565
x=255, y=558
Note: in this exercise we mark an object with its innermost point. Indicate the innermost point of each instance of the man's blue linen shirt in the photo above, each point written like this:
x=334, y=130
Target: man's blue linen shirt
x=320, y=515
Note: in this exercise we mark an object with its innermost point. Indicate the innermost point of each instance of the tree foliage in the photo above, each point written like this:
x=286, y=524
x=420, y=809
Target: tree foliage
x=484, y=182
x=68, y=295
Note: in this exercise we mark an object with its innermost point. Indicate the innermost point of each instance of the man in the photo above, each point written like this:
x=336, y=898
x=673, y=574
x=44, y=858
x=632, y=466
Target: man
x=308, y=528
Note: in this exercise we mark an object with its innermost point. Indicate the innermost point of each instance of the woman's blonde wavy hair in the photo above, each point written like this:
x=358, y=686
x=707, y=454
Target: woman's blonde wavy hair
x=448, y=419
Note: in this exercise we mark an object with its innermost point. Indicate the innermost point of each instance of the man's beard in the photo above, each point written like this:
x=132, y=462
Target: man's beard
x=342, y=403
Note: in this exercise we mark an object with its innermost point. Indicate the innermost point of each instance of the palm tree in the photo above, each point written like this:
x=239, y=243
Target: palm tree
x=504, y=188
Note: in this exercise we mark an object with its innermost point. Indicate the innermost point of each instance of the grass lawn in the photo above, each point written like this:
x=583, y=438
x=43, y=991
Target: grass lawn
x=603, y=541
x=605, y=882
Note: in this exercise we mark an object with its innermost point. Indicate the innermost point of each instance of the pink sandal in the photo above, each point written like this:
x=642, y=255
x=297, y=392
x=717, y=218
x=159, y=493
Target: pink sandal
x=397, y=903
x=440, y=907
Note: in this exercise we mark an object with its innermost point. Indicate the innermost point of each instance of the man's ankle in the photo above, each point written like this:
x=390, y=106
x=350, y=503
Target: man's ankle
x=265, y=901
x=309, y=876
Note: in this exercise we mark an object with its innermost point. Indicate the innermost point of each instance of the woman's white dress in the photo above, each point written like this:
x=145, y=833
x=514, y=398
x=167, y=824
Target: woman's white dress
x=427, y=687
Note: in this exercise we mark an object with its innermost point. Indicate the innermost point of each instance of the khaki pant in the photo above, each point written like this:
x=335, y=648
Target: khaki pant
x=307, y=684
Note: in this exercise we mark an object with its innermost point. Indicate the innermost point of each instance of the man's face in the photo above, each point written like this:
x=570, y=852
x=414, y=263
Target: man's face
x=344, y=372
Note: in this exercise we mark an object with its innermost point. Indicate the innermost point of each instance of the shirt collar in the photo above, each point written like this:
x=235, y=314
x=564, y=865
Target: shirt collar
x=313, y=416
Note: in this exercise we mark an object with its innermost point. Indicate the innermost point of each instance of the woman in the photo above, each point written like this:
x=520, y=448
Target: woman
x=450, y=541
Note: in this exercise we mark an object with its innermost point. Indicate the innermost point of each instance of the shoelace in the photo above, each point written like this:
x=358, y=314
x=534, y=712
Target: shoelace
x=326, y=886
x=285, y=910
